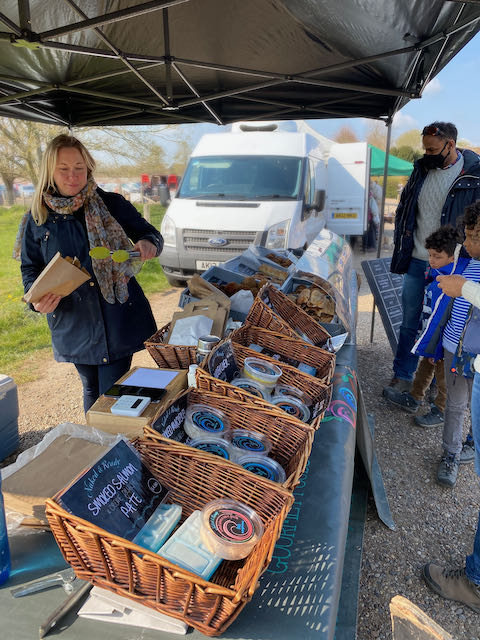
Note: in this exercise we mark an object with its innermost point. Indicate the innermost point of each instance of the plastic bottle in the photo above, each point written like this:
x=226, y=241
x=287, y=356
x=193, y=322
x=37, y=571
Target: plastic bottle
x=4, y=548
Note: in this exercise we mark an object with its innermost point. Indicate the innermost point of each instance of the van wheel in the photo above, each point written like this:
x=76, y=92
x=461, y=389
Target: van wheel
x=175, y=282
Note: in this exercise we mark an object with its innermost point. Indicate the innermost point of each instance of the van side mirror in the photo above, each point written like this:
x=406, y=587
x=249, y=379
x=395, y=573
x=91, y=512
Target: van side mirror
x=318, y=200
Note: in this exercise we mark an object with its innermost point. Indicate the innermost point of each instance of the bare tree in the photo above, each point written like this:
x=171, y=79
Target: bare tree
x=377, y=134
x=21, y=147
x=345, y=134
x=22, y=144
x=181, y=156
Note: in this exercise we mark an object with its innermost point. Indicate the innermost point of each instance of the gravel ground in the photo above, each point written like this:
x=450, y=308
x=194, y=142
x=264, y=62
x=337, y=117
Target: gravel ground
x=432, y=523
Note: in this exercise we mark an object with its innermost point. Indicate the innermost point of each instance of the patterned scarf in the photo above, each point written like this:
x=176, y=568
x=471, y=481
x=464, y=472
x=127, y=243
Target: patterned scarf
x=103, y=231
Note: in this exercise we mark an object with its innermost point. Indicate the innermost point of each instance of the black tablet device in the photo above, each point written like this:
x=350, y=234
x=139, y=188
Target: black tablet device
x=118, y=390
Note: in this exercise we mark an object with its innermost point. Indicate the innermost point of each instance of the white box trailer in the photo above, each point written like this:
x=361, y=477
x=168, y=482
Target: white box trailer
x=348, y=177
x=257, y=185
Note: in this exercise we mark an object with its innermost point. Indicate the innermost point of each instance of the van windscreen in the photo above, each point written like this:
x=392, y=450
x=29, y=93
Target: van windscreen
x=242, y=178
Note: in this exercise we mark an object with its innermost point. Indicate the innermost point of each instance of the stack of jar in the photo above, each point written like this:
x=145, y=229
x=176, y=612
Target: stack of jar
x=261, y=379
x=210, y=431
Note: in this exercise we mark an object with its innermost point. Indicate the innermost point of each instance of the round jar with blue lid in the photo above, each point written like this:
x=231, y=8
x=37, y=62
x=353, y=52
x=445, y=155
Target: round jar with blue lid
x=216, y=446
x=202, y=420
x=263, y=466
x=244, y=441
x=293, y=406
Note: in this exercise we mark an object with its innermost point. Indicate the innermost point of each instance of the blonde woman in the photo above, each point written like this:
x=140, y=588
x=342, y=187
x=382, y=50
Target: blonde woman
x=100, y=325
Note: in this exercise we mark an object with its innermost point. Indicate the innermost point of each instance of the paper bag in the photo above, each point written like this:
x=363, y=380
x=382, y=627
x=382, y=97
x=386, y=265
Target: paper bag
x=61, y=276
x=201, y=288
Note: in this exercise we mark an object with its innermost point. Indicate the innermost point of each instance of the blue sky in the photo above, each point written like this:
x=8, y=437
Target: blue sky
x=453, y=96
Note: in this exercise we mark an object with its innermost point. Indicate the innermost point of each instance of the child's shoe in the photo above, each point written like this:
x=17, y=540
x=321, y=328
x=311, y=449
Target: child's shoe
x=434, y=418
x=467, y=453
x=403, y=400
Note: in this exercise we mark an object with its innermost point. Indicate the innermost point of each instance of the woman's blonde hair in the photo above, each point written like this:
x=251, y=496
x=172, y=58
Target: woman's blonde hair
x=47, y=168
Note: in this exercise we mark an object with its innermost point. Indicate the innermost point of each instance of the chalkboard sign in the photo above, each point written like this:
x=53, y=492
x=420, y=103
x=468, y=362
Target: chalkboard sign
x=386, y=288
x=222, y=363
x=118, y=493
x=170, y=423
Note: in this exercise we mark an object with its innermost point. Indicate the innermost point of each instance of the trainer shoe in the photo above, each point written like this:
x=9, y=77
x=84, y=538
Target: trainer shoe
x=399, y=384
x=447, y=471
x=434, y=418
x=403, y=400
x=453, y=585
x=467, y=453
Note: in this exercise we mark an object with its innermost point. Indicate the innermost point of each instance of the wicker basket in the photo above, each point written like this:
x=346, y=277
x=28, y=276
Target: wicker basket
x=272, y=310
x=169, y=356
x=319, y=392
x=290, y=350
x=113, y=563
x=291, y=440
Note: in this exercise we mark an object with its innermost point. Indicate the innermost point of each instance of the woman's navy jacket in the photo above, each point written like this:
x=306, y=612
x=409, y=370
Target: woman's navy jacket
x=85, y=328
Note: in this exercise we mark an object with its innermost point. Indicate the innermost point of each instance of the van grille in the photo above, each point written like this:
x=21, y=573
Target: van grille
x=196, y=241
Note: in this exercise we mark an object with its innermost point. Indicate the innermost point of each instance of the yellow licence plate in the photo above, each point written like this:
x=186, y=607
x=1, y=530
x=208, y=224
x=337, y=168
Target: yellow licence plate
x=345, y=214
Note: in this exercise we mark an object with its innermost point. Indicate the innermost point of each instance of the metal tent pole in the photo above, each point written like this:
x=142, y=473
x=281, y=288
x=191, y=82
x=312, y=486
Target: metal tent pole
x=382, y=210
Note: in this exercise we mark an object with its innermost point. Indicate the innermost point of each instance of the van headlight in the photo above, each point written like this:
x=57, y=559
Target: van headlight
x=168, y=232
x=277, y=235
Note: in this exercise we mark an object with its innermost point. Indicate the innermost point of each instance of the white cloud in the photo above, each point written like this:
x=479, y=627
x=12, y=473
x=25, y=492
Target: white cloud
x=433, y=87
x=404, y=121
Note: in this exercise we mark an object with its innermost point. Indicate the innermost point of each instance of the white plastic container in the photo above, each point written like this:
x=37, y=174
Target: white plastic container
x=255, y=388
x=261, y=371
x=245, y=442
x=9, y=438
x=187, y=548
x=202, y=420
x=215, y=445
x=287, y=390
x=263, y=466
x=230, y=528
x=293, y=406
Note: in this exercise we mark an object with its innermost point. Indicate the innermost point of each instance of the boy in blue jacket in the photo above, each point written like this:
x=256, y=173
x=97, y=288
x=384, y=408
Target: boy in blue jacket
x=443, y=248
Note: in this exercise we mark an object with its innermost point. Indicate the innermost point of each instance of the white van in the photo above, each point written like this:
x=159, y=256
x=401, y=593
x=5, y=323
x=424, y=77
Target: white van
x=256, y=185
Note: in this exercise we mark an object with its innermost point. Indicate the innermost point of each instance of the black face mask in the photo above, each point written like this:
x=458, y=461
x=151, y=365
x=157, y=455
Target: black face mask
x=434, y=160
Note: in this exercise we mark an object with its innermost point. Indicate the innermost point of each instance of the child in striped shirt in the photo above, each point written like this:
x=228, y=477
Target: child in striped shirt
x=459, y=387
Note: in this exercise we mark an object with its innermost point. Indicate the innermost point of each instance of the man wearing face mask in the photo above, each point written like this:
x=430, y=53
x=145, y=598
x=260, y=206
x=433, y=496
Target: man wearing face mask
x=441, y=185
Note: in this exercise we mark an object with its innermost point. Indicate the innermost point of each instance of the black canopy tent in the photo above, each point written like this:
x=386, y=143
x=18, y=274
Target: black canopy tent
x=175, y=61
x=125, y=62
x=128, y=62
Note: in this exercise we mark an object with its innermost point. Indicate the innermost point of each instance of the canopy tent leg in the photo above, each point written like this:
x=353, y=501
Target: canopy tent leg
x=382, y=210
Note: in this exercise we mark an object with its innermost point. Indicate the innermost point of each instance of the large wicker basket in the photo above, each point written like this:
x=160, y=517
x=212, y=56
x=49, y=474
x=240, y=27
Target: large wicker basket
x=169, y=356
x=129, y=570
x=271, y=309
x=319, y=392
x=291, y=440
x=290, y=350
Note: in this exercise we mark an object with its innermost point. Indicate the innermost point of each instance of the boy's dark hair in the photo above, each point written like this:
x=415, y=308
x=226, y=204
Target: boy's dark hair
x=444, y=239
x=471, y=216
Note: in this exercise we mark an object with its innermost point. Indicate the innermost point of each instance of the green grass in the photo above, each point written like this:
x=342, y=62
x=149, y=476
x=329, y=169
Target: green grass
x=24, y=333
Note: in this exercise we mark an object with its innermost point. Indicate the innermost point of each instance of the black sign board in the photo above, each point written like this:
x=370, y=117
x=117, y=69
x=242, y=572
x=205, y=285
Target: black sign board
x=118, y=493
x=222, y=363
x=386, y=288
x=170, y=423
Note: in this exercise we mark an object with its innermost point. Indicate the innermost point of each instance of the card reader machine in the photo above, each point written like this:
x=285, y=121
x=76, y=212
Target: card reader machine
x=130, y=405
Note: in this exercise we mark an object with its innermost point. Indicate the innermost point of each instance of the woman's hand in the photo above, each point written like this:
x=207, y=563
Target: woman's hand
x=47, y=304
x=147, y=249
x=451, y=285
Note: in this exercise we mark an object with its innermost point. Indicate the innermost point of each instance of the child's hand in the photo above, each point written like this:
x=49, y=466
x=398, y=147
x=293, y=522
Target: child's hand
x=431, y=360
x=451, y=285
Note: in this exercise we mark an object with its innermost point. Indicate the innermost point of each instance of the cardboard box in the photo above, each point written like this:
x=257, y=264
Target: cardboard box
x=100, y=417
